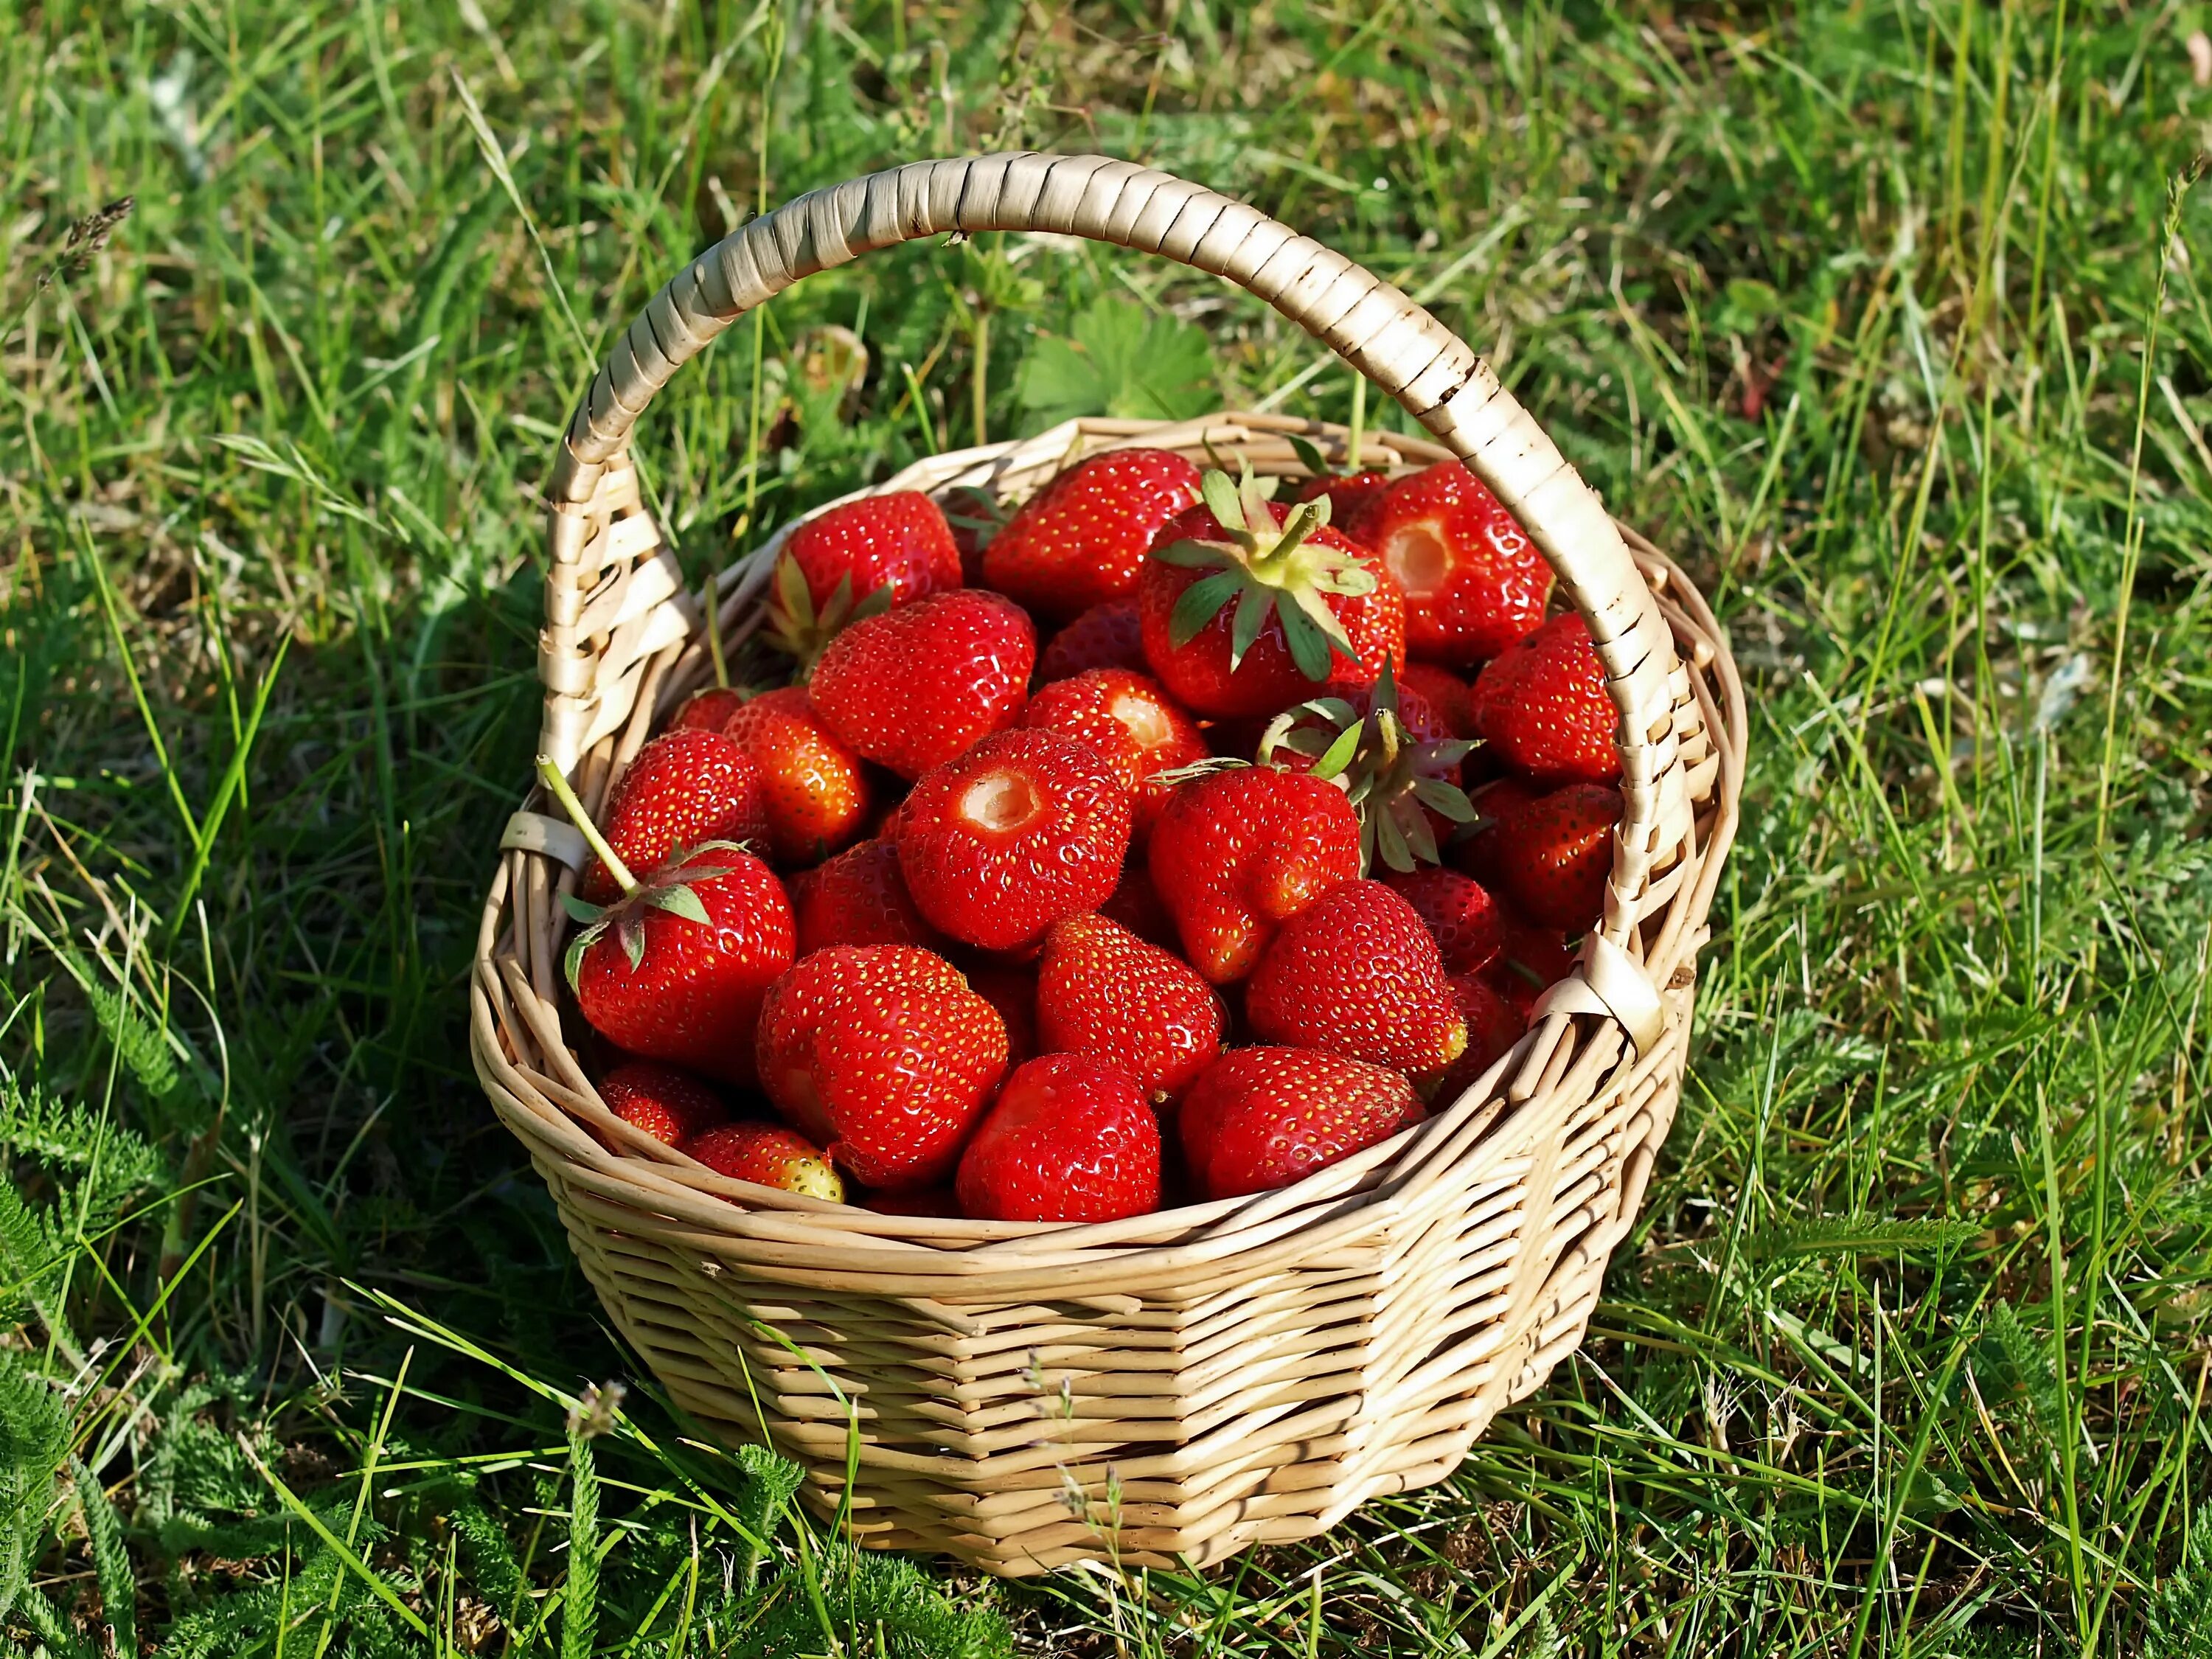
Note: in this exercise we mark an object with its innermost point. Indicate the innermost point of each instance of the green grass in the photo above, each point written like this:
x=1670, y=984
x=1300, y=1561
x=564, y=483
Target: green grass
x=1888, y=317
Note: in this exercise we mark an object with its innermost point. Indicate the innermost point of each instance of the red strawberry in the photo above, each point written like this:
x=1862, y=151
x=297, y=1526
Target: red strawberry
x=1137, y=907
x=1356, y=973
x=976, y=516
x=1248, y=606
x=1555, y=853
x=670, y=1105
x=921, y=684
x=857, y=559
x=1493, y=1026
x=1444, y=692
x=858, y=898
x=1104, y=991
x=1535, y=959
x=1542, y=707
x=1474, y=581
x=1105, y=636
x=1388, y=752
x=684, y=788
x=1131, y=721
x=1467, y=924
x=1262, y=1118
x=1237, y=851
x=816, y=794
x=769, y=1154
x=708, y=710
x=1026, y=828
x=883, y=1054
x=1349, y=496
x=1081, y=539
x=1476, y=854
x=1069, y=1139
x=1013, y=991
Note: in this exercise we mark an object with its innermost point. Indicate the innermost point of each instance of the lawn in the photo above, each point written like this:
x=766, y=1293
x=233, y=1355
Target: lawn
x=1885, y=318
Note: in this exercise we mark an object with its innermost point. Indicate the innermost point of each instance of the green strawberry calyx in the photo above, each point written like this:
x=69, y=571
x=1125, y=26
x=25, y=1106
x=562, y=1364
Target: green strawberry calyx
x=1268, y=571
x=800, y=630
x=1394, y=780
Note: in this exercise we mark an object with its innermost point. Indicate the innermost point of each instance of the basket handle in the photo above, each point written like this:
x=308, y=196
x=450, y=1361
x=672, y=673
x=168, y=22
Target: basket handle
x=1376, y=328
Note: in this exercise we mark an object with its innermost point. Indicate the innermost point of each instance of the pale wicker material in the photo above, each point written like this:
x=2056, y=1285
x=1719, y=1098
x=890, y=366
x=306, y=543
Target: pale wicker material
x=1179, y=1386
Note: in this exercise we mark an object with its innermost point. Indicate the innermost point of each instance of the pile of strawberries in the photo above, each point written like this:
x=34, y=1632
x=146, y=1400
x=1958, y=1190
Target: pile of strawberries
x=1171, y=844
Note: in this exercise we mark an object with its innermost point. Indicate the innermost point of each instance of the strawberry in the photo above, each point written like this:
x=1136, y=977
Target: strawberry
x=1012, y=990
x=1555, y=853
x=883, y=1054
x=1477, y=853
x=1248, y=606
x=1262, y=1118
x=1137, y=907
x=684, y=788
x=676, y=970
x=975, y=515
x=1104, y=991
x=669, y=1105
x=1238, y=850
x=708, y=710
x=1105, y=636
x=1069, y=1138
x=1533, y=960
x=769, y=1155
x=815, y=792
x=1467, y=924
x=918, y=685
x=1493, y=1026
x=857, y=559
x=1081, y=539
x=1026, y=828
x=1357, y=974
x=858, y=898
x=1444, y=692
x=1130, y=720
x=1349, y=495
x=1543, y=707
x=1474, y=581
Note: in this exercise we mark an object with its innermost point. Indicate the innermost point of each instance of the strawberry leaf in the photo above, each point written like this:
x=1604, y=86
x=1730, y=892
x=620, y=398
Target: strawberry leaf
x=629, y=929
x=680, y=901
x=879, y=601
x=794, y=598
x=1309, y=456
x=1199, y=603
x=1391, y=841
x=1194, y=556
x=572, y=962
x=580, y=911
x=1444, y=800
x=1223, y=500
x=1252, y=607
x=1412, y=824
x=1338, y=756
x=1309, y=649
x=1331, y=627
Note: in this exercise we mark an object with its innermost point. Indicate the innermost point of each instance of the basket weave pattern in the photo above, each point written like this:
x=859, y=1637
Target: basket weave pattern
x=1177, y=1386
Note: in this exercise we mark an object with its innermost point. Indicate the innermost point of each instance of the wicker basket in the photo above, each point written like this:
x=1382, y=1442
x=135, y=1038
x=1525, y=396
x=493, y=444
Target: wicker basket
x=1176, y=1387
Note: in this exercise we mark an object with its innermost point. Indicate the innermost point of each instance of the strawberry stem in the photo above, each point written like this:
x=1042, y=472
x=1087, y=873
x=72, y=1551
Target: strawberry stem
x=551, y=776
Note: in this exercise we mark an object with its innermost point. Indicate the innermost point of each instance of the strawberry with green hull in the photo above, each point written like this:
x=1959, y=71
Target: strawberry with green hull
x=670, y=1105
x=1104, y=991
x=1107, y=635
x=1080, y=541
x=857, y=560
x=882, y=1054
x=1262, y=1118
x=1556, y=852
x=1349, y=496
x=1474, y=581
x=1069, y=1138
x=769, y=1155
x=1542, y=708
x=1248, y=606
x=920, y=685
x=814, y=791
x=1239, y=849
x=683, y=788
x=858, y=898
x=1130, y=720
x=676, y=969
x=1026, y=828
x=1357, y=974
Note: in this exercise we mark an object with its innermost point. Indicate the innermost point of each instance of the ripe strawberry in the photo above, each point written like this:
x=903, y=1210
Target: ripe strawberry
x=976, y=516
x=1237, y=851
x=1069, y=1139
x=1535, y=959
x=1477, y=853
x=1467, y=924
x=1356, y=973
x=1349, y=496
x=1388, y=752
x=1555, y=853
x=1543, y=708
x=857, y=559
x=858, y=898
x=670, y=1105
x=1262, y=1118
x=1137, y=907
x=1131, y=721
x=1474, y=581
x=1248, y=606
x=1012, y=990
x=1104, y=991
x=1444, y=692
x=918, y=685
x=1081, y=539
x=1026, y=828
x=1493, y=1026
x=815, y=792
x=769, y=1154
x=1105, y=636
x=885, y=1055
x=708, y=710
x=684, y=788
